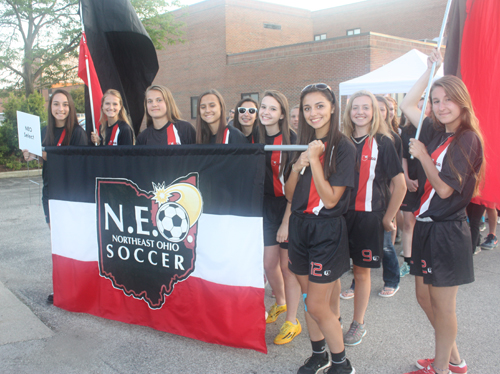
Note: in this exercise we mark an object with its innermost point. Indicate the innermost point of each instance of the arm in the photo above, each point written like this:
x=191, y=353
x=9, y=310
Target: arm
x=397, y=197
x=291, y=182
x=410, y=183
x=330, y=195
x=419, y=151
x=409, y=104
x=282, y=234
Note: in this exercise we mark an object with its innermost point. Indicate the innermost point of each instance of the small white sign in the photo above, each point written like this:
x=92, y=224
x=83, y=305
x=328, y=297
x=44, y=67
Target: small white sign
x=28, y=130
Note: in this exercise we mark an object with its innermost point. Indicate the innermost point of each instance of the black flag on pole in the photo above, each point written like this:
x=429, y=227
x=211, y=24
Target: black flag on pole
x=124, y=56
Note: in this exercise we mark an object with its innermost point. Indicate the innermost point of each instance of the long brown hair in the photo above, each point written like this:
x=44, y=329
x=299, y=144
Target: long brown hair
x=69, y=124
x=203, y=132
x=307, y=134
x=282, y=123
x=457, y=92
x=173, y=112
x=122, y=114
x=395, y=119
x=236, y=120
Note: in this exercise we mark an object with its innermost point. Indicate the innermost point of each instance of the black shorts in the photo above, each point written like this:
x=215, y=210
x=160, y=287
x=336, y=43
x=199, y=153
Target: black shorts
x=366, y=238
x=441, y=252
x=410, y=202
x=318, y=247
x=273, y=211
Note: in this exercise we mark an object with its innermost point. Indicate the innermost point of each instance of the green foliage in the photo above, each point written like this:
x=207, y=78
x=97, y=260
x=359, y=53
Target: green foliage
x=9, y=142
x=78, y=96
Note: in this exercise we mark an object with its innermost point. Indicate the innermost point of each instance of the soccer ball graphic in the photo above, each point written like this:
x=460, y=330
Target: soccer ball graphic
x=172, y=221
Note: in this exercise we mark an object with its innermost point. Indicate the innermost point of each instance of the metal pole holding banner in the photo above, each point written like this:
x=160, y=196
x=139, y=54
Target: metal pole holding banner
x=433, y=70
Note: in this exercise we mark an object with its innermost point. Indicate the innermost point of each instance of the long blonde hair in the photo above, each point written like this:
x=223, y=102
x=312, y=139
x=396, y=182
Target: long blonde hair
x=122, y=114
x=173, y=112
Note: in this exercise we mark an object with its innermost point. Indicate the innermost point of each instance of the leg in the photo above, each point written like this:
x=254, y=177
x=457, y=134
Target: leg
x=362, y=294
x=492, y=220
x=391, y=266
x=292, y=288
x=475, y=212
x=273, y=272
x=315, y=333
x=335, y=299
x=409, y=224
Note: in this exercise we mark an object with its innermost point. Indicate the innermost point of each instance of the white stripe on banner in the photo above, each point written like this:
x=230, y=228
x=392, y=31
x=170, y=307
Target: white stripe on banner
x=229, y=248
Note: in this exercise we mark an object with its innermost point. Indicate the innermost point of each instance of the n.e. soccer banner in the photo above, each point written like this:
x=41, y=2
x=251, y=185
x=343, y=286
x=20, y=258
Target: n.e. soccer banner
x=169, y=238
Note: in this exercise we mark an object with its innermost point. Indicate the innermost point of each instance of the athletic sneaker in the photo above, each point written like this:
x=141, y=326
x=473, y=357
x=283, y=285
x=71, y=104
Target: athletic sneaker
x=344, y=368
x=274, y=312
x=482, y=226
x=455, y=369
x=314, y=364
x=428, y=370
x=477, y=250
x=287, y=332
x=490, y=242
x=404, y=270
x=355, y=334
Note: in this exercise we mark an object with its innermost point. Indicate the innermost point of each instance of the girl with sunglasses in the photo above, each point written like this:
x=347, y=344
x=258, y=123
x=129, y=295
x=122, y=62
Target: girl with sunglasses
x=318, y=247
x=274, y=130
x=115, y=124
x=370, y=212
x=450, y=151
x=245, y=119
x=211, y=127
x=163, y=120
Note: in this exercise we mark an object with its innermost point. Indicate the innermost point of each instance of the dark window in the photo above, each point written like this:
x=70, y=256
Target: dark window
x=194, y=106
x=272, y=26
x=252, y=95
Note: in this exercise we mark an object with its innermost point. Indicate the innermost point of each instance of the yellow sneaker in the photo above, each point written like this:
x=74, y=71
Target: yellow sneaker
x=274, y=312
x=287, y=332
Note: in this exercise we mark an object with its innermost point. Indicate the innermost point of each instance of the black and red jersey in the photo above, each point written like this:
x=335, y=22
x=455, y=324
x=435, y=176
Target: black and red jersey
x=231, y=136
x=408, y=132
x=253, y=138
x=377, y=163
x=466, y=156
x=306, y=199
x=119, y=134
x=180, y=132
x=274, y=183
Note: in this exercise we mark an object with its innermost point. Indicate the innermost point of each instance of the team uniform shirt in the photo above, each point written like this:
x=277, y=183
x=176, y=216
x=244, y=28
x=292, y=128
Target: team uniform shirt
x=119, y=134
x=410, y=201
x=438, y=143
x=180, y=132
x=377, y=163
x=274, y=183
x=254, y=136
x=231, y=136
x=398, y=144
x=78, y=138
x=306, y=199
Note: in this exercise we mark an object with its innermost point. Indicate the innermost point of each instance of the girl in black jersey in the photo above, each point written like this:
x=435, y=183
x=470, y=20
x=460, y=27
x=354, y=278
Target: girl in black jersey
x=163, y=120
x=211, y=127
x=274, y=130
x=115, y=124
x=62, y=130
x=245, y=119
x=450, y=151
x=370, y=211
x=318, y=247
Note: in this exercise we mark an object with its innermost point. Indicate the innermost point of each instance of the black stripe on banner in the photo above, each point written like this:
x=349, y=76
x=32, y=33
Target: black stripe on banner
x=231, y=178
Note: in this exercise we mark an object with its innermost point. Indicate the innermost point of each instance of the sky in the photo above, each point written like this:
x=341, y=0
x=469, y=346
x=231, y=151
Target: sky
x=305, y=4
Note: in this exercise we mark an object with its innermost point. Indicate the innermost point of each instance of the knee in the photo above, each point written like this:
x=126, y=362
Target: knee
x=361, y=275
x=315, y=309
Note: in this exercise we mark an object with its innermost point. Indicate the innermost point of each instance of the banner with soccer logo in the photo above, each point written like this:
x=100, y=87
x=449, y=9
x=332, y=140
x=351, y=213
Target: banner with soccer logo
x=168, y=238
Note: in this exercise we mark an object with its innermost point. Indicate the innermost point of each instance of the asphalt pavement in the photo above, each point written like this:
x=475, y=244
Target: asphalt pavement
x=36, y=337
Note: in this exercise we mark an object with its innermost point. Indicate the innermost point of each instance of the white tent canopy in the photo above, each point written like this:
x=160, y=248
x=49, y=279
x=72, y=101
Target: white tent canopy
x=397, y=76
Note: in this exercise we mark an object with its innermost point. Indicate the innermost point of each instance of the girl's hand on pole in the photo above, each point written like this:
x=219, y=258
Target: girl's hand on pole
x=316, y=149
x=95, y=138
x=436, y=57
x=417, y=148
x=301, y=163
x=27, y=155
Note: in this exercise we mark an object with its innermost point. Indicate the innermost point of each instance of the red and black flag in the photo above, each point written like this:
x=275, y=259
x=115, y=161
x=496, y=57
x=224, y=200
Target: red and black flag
x=123, y=54
x=473, y=54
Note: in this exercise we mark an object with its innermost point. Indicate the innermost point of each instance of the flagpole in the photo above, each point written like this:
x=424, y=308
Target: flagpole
x=89, y=84
x=433, y=70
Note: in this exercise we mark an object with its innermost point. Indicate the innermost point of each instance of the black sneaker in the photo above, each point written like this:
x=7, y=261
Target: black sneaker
x=50, y=299
x=314, y=364
x=343, y=368
x=490, y=242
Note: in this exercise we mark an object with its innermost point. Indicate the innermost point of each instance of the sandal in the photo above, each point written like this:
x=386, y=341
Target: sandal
x=347, y=294
x=388, y=291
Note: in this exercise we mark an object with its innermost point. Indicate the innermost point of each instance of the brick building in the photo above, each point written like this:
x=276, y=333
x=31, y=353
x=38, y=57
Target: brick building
x=243, y=47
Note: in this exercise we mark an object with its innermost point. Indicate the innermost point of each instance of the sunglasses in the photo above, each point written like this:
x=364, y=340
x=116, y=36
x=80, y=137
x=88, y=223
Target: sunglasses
x=243, y=110
x=319, y=86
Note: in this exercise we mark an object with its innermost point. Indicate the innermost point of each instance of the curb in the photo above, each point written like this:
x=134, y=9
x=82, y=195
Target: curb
x=20, y=173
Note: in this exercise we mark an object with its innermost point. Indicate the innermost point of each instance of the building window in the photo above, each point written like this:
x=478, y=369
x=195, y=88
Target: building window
x=319, y=37
x=353, y=32
x=272, y=26
x=251, y=95
x=194, y=107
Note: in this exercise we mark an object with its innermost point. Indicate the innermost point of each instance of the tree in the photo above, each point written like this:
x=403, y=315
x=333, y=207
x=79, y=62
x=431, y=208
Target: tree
x=38, y=38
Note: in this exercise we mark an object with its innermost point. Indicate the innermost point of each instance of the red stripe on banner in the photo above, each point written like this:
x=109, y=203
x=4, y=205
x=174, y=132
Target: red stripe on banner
x=364, y=175
x=275, y=166
x=82, y=73
x=234, y=315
